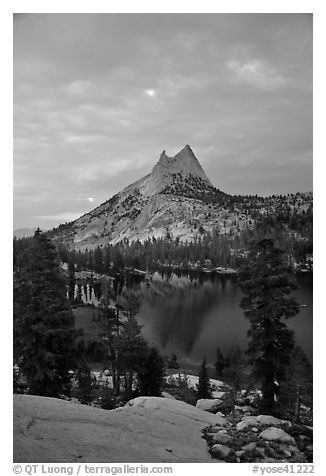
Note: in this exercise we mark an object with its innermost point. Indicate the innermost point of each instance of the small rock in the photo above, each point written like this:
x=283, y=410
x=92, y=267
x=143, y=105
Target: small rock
x=293, y=449
x=247, y=408
x=220, y=421
x=209, y=404
x=222, y=438
x=220, y=451
x=254, y=429
x=169, y=450
x=277, y=434
x=246, y=422
x=249, y=447
x=239, y=453
x=286, y=452
x=270, y=452
x=215, y=429
x=168, y=395
x=272, y=421
x=259, y=452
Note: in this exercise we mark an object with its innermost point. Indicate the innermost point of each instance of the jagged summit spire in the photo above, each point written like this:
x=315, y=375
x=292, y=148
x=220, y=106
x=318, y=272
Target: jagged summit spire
x=183, y=164
x=186, y=152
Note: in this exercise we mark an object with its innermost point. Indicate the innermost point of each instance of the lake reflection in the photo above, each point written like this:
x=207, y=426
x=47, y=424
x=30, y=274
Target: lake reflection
x=193, y=315
x=193, y=318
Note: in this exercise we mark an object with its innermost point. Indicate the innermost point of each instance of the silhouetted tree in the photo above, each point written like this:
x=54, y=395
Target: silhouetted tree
x=235, y=364
x=173, y=362
x=71, y=270
x=219, y=363
x=44, y=335
x=85, y=383
x=266, y=284
x=133, y=352
x=150, y=375
x=296, y=390
x=111, y=325
x=203, y=387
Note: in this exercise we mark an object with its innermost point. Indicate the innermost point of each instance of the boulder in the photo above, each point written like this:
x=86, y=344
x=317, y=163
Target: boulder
x=209, y=404
x=143, y=431
x=220, y=451
x=277, y=434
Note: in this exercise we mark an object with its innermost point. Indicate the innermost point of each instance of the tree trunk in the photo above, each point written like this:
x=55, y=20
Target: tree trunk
x=297, y=405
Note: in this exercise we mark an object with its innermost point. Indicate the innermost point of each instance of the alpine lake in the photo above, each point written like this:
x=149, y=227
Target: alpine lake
x=191, y=314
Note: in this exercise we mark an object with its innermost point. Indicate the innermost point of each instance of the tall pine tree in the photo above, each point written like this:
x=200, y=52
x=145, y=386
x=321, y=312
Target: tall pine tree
x=296, y=391
x=44, y=335
x=266, y=284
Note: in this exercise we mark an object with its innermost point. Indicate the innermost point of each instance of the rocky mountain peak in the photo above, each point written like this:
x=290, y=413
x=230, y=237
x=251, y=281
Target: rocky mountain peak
x=186, y=152
x=172, y=197
x=183, y=165
x=163, y=156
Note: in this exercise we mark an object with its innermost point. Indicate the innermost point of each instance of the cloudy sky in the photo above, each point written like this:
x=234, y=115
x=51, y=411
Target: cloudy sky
x=97, y=97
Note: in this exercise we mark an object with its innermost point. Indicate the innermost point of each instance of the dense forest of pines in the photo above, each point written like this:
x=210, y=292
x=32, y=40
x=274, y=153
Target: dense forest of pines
x=286, y=219
x=290, y=231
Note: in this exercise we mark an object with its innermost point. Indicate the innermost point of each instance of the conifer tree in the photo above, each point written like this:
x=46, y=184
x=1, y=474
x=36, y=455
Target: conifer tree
x=133, y=351
x=71, y=270
x=173, y=362
x=85, y=383
x=266, y=284
x=203, y=386
x=44, y=335
x=111, y=329
x=150, y=375
x=235, y=364
x=219, y=363
x=297, y=388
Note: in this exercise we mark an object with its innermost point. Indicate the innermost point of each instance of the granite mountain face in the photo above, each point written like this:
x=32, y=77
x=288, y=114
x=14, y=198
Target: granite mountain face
x=176, y=200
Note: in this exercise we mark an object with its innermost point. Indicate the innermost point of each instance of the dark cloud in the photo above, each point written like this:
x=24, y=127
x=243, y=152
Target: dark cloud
x=98, y=96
